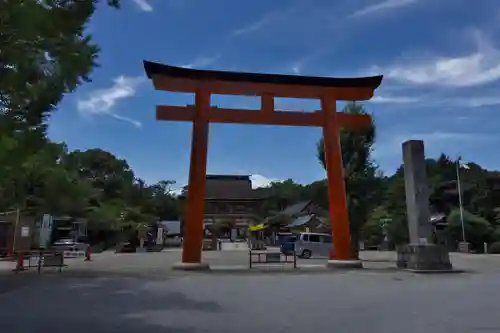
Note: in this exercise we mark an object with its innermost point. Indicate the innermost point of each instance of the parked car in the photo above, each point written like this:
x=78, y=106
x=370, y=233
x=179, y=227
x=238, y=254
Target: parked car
x=70, y=247
x=287, y=244
x=311, y=244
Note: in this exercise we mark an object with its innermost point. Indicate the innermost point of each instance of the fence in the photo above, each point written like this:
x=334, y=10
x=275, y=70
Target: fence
x=39, y=259
x=265, y=257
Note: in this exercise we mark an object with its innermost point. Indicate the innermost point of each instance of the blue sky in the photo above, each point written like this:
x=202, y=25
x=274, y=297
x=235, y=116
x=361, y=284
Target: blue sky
x=440, y=59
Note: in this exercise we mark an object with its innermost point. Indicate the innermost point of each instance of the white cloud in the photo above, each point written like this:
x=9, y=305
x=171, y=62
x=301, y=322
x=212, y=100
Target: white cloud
x=296, y=69
x=474, y=102
x=101, y=102
x=266, y=19
x=143, y=5
x=202, y=62
x=391, y=146
x=436, y=101
x=261, y=181
x=382, y=6
x=394, y=99
x=478, y=68
x=257, y=25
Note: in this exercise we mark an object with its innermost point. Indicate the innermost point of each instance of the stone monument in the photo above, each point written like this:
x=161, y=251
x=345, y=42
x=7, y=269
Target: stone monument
x=421, y=254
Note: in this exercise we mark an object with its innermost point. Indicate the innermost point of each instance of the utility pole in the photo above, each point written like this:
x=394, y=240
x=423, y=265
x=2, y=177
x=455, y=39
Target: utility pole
x=460, y=202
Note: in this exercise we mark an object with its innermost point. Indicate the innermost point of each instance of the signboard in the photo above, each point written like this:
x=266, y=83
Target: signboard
x=45, y=231
x=25, y=231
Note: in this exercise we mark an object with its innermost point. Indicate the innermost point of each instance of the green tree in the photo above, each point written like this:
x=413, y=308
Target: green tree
x=360, y=172
x=372, y=232
x=281, y=195
x=43, y=60
x=162, y=202
x=477, y=229
x=110, y=177
x=45, y=52
x=43, y=185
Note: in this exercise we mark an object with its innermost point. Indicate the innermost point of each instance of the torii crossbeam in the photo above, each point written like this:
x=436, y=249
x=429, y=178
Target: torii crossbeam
x=204, y=83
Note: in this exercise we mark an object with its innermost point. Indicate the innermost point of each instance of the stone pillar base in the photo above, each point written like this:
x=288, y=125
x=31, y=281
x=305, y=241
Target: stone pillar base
x=191, y=266
x=429, y=257
x=344, y=264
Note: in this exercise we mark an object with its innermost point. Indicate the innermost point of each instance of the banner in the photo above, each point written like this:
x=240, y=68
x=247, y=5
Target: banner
x=257, y=227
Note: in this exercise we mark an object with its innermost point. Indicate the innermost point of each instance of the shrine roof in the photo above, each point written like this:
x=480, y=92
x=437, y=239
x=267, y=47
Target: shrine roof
x=153, y=68
x=228, y=177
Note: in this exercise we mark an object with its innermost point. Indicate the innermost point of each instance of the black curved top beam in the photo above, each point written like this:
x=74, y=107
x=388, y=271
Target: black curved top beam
x=153, y=68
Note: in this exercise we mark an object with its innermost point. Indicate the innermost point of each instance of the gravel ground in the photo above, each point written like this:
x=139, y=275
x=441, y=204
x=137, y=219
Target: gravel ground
x=138, y=292
x=353, y=301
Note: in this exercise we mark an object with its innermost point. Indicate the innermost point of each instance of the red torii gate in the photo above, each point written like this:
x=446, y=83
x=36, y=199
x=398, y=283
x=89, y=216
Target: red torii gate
x=204, y=83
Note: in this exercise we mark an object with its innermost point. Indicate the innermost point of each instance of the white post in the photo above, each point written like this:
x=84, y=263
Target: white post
x=460, y=200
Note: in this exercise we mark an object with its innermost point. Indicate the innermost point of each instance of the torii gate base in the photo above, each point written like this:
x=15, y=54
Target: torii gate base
x=205, y=83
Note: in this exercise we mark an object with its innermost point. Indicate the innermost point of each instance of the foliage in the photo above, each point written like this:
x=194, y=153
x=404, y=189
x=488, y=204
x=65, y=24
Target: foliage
x=43, y=60
x=494, y=248
x=45, y=53
x=372, y=232
x=92, y=184
x=477, y=229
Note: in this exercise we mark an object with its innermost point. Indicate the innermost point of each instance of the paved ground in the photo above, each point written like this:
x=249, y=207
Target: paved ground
x=147, y=264
x=345, y=301
x=159, y=263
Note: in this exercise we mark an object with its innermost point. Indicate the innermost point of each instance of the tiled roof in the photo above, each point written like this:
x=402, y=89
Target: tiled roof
x=229, y=187
x=300, y=221
x=296, y=208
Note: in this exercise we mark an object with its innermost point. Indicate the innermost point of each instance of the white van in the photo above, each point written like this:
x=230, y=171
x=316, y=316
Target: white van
x=310, y=244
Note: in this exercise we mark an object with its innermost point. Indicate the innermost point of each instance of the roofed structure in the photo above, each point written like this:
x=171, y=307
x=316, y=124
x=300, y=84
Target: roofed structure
x=311, y=221
x=307, y=207
x=229, y=187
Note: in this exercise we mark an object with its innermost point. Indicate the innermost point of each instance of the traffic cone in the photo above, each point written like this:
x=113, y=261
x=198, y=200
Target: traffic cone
x=88, y=254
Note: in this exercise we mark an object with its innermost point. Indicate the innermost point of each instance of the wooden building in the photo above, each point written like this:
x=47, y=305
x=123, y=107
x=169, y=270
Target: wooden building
x=304, y=216
x=230, y=206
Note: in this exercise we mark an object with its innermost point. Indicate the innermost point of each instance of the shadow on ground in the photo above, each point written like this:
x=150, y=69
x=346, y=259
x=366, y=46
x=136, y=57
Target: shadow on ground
x=95, y=305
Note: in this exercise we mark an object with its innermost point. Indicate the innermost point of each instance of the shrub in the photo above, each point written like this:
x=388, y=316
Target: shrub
x=477, y=229
x=494, y=248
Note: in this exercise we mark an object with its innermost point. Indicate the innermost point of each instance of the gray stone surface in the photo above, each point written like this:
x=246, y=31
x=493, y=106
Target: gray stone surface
x=139, y=264
x=420, y=254
x=185, y=266
x=338, y=264
x=417, y=192
x=348, y=301
x=426, y=257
